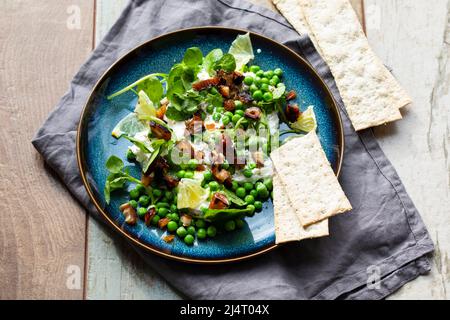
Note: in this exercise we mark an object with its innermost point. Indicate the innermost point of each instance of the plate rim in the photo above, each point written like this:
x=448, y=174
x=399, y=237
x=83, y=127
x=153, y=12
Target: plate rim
x=80, y=154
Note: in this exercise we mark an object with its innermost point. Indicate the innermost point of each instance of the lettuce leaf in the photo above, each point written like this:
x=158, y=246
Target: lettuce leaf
x=242, y=50
x=306, y=122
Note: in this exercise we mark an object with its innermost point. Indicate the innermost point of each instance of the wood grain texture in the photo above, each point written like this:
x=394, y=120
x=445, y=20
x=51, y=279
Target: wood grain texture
x=413, y=38
x=115, y=271
x=42, y=228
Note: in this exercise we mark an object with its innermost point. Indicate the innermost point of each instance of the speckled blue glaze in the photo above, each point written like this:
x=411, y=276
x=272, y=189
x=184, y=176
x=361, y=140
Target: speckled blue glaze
x=158, y=56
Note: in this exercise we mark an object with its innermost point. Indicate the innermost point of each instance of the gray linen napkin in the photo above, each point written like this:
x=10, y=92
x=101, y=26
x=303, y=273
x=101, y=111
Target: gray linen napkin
x=382, y=237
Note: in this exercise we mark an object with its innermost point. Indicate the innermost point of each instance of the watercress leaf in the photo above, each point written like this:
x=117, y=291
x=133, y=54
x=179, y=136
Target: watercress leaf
x=214, y=99
x=175, y=114
x=210, y=59
x=147, y=164
x=233, y=197
x=242, y=50
x=153, y=88
x=279, y=91
x=107, y=193
x=226, y=63
x=193, y=57
x=114, y=164
x=224, y=214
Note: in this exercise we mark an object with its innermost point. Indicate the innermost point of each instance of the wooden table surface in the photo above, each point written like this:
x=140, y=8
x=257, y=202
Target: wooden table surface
x=50, y=249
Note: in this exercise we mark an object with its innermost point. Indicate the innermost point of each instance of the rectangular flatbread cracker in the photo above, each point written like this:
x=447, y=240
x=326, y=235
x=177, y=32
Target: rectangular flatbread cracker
x=312, y=187
x=287, y=226
x=371, y=94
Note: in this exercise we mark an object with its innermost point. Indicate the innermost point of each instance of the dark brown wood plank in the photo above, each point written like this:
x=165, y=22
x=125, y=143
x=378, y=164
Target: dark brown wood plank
x=42, y=230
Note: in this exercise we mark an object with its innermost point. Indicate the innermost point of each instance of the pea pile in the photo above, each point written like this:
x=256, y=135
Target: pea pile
x=166, y=208
x=237, y=118
x=259, y=86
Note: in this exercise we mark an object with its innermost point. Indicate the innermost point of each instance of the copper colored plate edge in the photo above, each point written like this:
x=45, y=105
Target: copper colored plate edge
x=80, y=155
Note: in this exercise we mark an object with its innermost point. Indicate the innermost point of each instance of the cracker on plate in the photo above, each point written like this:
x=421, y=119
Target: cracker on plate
x=287, y=225
x=309, y=181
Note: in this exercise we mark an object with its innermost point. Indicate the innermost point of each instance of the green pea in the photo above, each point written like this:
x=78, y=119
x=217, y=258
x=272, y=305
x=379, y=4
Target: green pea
x=210, y=109
x=189, y=175
x=155, y=220
x=260, y=73
x=249, y=199
x=172, y=226
x=200, y=223
x=248, y=186
x=268, y=96
x=213, y=185
x=201, y=233
x=264, y=80
x=225, y=165
x=134, y=194
x=254, y=193
x=269, y=74
x=252, y=166
x=168, y=195
x=175, y=217
x=240, y=192
x=257, y=82
x=162, y=212
x=157, y=192
x=236, y=118
x=263, y=193
x=269, y=184
x=239, y=223
x=181, y=232
x=162, y=205
x=191, y=230
x=248, y=80
x=278, y=72
x=226, y=120
x=251, y=210
x=220, y=110
x=257, y=95
x=238, y=104
x=180, y=174
x=228, y=114
x=258, y=206
x=173, y=208
x=247, y=173
x=254, y=69
x=276, y=80
x=189, y=240
x=133, y=203
x=144, y=201
x=217, y=116
x=234, y=185
x=211, y=231
x=141, y=212
x=207, y=175
x=253, y=88
x=265, y=87
x=193, y=163
x=240, y=112
x=130, y=155
x=230, y=225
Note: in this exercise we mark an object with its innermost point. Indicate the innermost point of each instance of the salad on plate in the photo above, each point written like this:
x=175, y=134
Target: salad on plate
x=202, y=135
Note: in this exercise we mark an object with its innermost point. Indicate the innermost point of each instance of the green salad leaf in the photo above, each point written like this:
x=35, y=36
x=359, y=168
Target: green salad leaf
x=144, y=148
x=153, y=88
x=242, y=50
x=224, y=214
x=226, y=63
x=210, y=59
x=117, y=178
x=139, y=84
x=193, y=57
x=279, y=91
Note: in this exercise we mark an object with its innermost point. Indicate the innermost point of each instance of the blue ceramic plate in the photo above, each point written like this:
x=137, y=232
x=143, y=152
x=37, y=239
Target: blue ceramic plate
x=95, y=143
